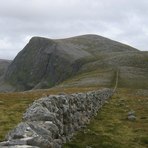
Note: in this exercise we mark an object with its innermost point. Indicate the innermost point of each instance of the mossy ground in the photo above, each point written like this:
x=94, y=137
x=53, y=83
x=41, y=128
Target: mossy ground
x=111, y=128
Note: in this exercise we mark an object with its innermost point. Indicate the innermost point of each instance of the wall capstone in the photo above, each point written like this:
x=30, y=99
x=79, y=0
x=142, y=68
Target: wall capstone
x=51, y=121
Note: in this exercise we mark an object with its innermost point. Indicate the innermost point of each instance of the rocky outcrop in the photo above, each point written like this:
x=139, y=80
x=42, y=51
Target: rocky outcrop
x=53, y=120
x=43, y=63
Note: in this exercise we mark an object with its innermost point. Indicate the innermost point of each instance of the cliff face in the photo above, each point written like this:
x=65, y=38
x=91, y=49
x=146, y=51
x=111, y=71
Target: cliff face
x=41, y=65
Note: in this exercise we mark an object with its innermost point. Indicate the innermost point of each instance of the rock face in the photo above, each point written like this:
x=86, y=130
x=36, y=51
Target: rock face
x=44, y=62
x=51, y=121
x=3, y=66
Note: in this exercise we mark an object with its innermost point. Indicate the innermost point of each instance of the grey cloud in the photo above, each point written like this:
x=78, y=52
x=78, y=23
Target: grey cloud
x=124, y=20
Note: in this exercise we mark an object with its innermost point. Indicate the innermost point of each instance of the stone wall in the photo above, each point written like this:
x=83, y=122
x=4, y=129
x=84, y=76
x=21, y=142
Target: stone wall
x=51, y=121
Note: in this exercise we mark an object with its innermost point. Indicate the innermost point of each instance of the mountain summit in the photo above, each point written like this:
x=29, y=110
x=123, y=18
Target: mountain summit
x=44, y=63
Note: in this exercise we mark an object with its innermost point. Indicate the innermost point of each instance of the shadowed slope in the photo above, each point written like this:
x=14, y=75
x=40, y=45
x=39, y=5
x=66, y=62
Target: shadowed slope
x=42, y=63
x=3, y=66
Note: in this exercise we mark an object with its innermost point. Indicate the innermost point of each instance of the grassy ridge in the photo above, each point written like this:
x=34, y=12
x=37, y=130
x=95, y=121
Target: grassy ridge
x=111, y=128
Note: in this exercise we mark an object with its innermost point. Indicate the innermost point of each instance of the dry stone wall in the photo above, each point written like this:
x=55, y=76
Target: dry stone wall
x=51, y=121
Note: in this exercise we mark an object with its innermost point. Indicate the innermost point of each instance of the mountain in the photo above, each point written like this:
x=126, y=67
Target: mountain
x=3, y=66
x=87, y=60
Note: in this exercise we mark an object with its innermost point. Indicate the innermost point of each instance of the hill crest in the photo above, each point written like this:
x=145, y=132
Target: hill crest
x=44, y=63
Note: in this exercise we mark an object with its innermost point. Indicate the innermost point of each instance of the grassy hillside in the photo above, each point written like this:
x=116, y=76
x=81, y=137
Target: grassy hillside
x=111, y=128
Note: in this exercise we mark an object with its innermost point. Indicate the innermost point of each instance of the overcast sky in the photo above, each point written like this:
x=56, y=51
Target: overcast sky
x=121, y=20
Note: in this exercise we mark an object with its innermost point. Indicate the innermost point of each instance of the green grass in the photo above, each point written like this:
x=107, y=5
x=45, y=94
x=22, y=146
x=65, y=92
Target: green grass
x=13, y=105
x=111, y=128
x=97, y=78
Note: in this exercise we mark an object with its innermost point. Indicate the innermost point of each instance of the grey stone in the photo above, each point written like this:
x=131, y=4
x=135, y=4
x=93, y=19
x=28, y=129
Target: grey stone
x=57, y=143
x=40, y=142
x=41, y=131
x=23, y=130
x=53, y=120
x=131, y=113
x=38, y=113
x=52, y=128
x=131, y=117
